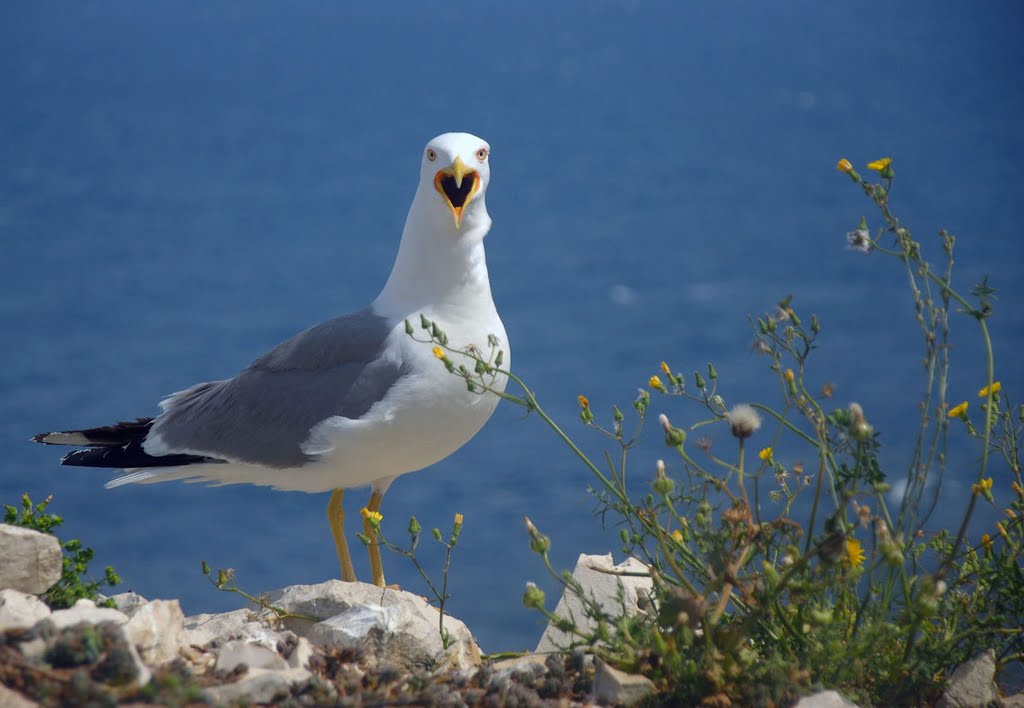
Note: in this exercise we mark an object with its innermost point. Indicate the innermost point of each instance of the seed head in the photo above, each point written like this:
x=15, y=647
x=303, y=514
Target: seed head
x=743, y=420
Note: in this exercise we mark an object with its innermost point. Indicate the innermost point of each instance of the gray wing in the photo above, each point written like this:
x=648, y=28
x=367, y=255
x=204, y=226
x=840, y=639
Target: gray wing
x=264, y=414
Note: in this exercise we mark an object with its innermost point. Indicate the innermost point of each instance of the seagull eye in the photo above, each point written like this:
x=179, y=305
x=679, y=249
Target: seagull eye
x=431, y=154
x=481, y=154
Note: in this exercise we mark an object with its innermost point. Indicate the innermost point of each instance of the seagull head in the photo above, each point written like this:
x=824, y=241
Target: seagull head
x=455, y=172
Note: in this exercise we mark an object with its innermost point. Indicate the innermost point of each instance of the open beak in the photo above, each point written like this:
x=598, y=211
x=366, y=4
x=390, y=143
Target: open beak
x=457, y=185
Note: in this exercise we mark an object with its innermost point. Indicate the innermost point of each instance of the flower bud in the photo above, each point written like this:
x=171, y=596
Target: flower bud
x=539, y=543
x=662, y=484
x=674, y=437
x=533, y=597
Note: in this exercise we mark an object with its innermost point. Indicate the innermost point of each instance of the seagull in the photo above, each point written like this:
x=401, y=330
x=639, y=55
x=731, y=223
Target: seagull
x=354, y=401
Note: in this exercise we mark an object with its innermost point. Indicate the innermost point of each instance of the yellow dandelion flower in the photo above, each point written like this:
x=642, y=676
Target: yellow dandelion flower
x=788, y=375
x=438, y=352
x=844, y=165
x=374, y=517
x=1010, y=512
x=1002, y=530
x=766, y=454
x=677, y=536
x=958, y=411
x=994, y=389
x=665, y=370
x=985, y=484
x=1017, y=488
x=879, y=165
x=584, y=403
x=655, y=383
x=986, y=541
x=458, y=519
x=854, y=553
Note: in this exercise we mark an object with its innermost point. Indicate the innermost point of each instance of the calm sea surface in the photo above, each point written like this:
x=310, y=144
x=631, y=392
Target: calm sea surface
x=184, y=185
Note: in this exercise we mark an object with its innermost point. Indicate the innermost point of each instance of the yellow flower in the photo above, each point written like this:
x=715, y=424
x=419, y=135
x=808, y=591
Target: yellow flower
x=879, y=165
x=986, y=541
x=854, y=553
x=458, y=519
x=665, y=370
x=766, y=454
x=374, y=517
x=1002, y=530
x=1017, y=488
x=677, y=536
x=844, y=165
x=788, y=375
x=958, y=411
x=438, y=352
x=584, y=403
x=995, y=388
x=655, y=383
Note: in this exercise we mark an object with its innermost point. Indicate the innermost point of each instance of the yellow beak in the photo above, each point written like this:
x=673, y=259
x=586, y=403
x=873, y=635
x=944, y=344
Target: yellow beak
x=457, y=185
x=459, y=170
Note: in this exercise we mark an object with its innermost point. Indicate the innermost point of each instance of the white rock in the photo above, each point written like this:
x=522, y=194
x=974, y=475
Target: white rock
x=614, y=687
x=257, y=686
x=301, y=654
x=33, y=650
x=530, y=666
x=157, y=629
x=389, y=626
x=128, y=602
x=13, y=699
x=202, y=629
x=19, y=610
x=86, y=611
x=32, y=561
x=972, y=684
x=604, y=588
x=254, y=656
x=824, y=699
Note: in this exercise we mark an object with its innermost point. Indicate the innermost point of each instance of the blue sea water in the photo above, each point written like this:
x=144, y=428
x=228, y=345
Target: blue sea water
x=184, y=185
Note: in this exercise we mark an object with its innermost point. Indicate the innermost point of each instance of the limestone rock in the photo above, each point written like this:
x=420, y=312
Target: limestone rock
x=86, y=611
x=156, y=629
x=257, y=686
x=127, y=602
x=388, y=626
x=1014, y=701
x=824, y=699
x=972, y=684
x=301, y=654
x=202, y=629
x=19, y=610
x=254, y=656
x=604, y=588
x=614, y=687
x=32, y=561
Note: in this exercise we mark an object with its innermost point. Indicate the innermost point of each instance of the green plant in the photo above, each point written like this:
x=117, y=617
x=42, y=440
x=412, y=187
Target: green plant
x=778, y=568
x=440, y=596
x=225, y=582
x=73, y=584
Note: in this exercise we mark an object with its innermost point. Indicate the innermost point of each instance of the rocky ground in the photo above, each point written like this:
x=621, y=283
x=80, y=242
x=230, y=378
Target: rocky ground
x=333, y=643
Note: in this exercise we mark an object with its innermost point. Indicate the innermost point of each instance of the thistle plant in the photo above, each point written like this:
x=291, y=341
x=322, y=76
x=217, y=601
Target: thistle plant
x=775, y=558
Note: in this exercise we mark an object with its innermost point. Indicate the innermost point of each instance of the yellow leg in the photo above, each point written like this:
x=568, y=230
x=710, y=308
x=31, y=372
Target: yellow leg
x=376, y=567
x=336, y=518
